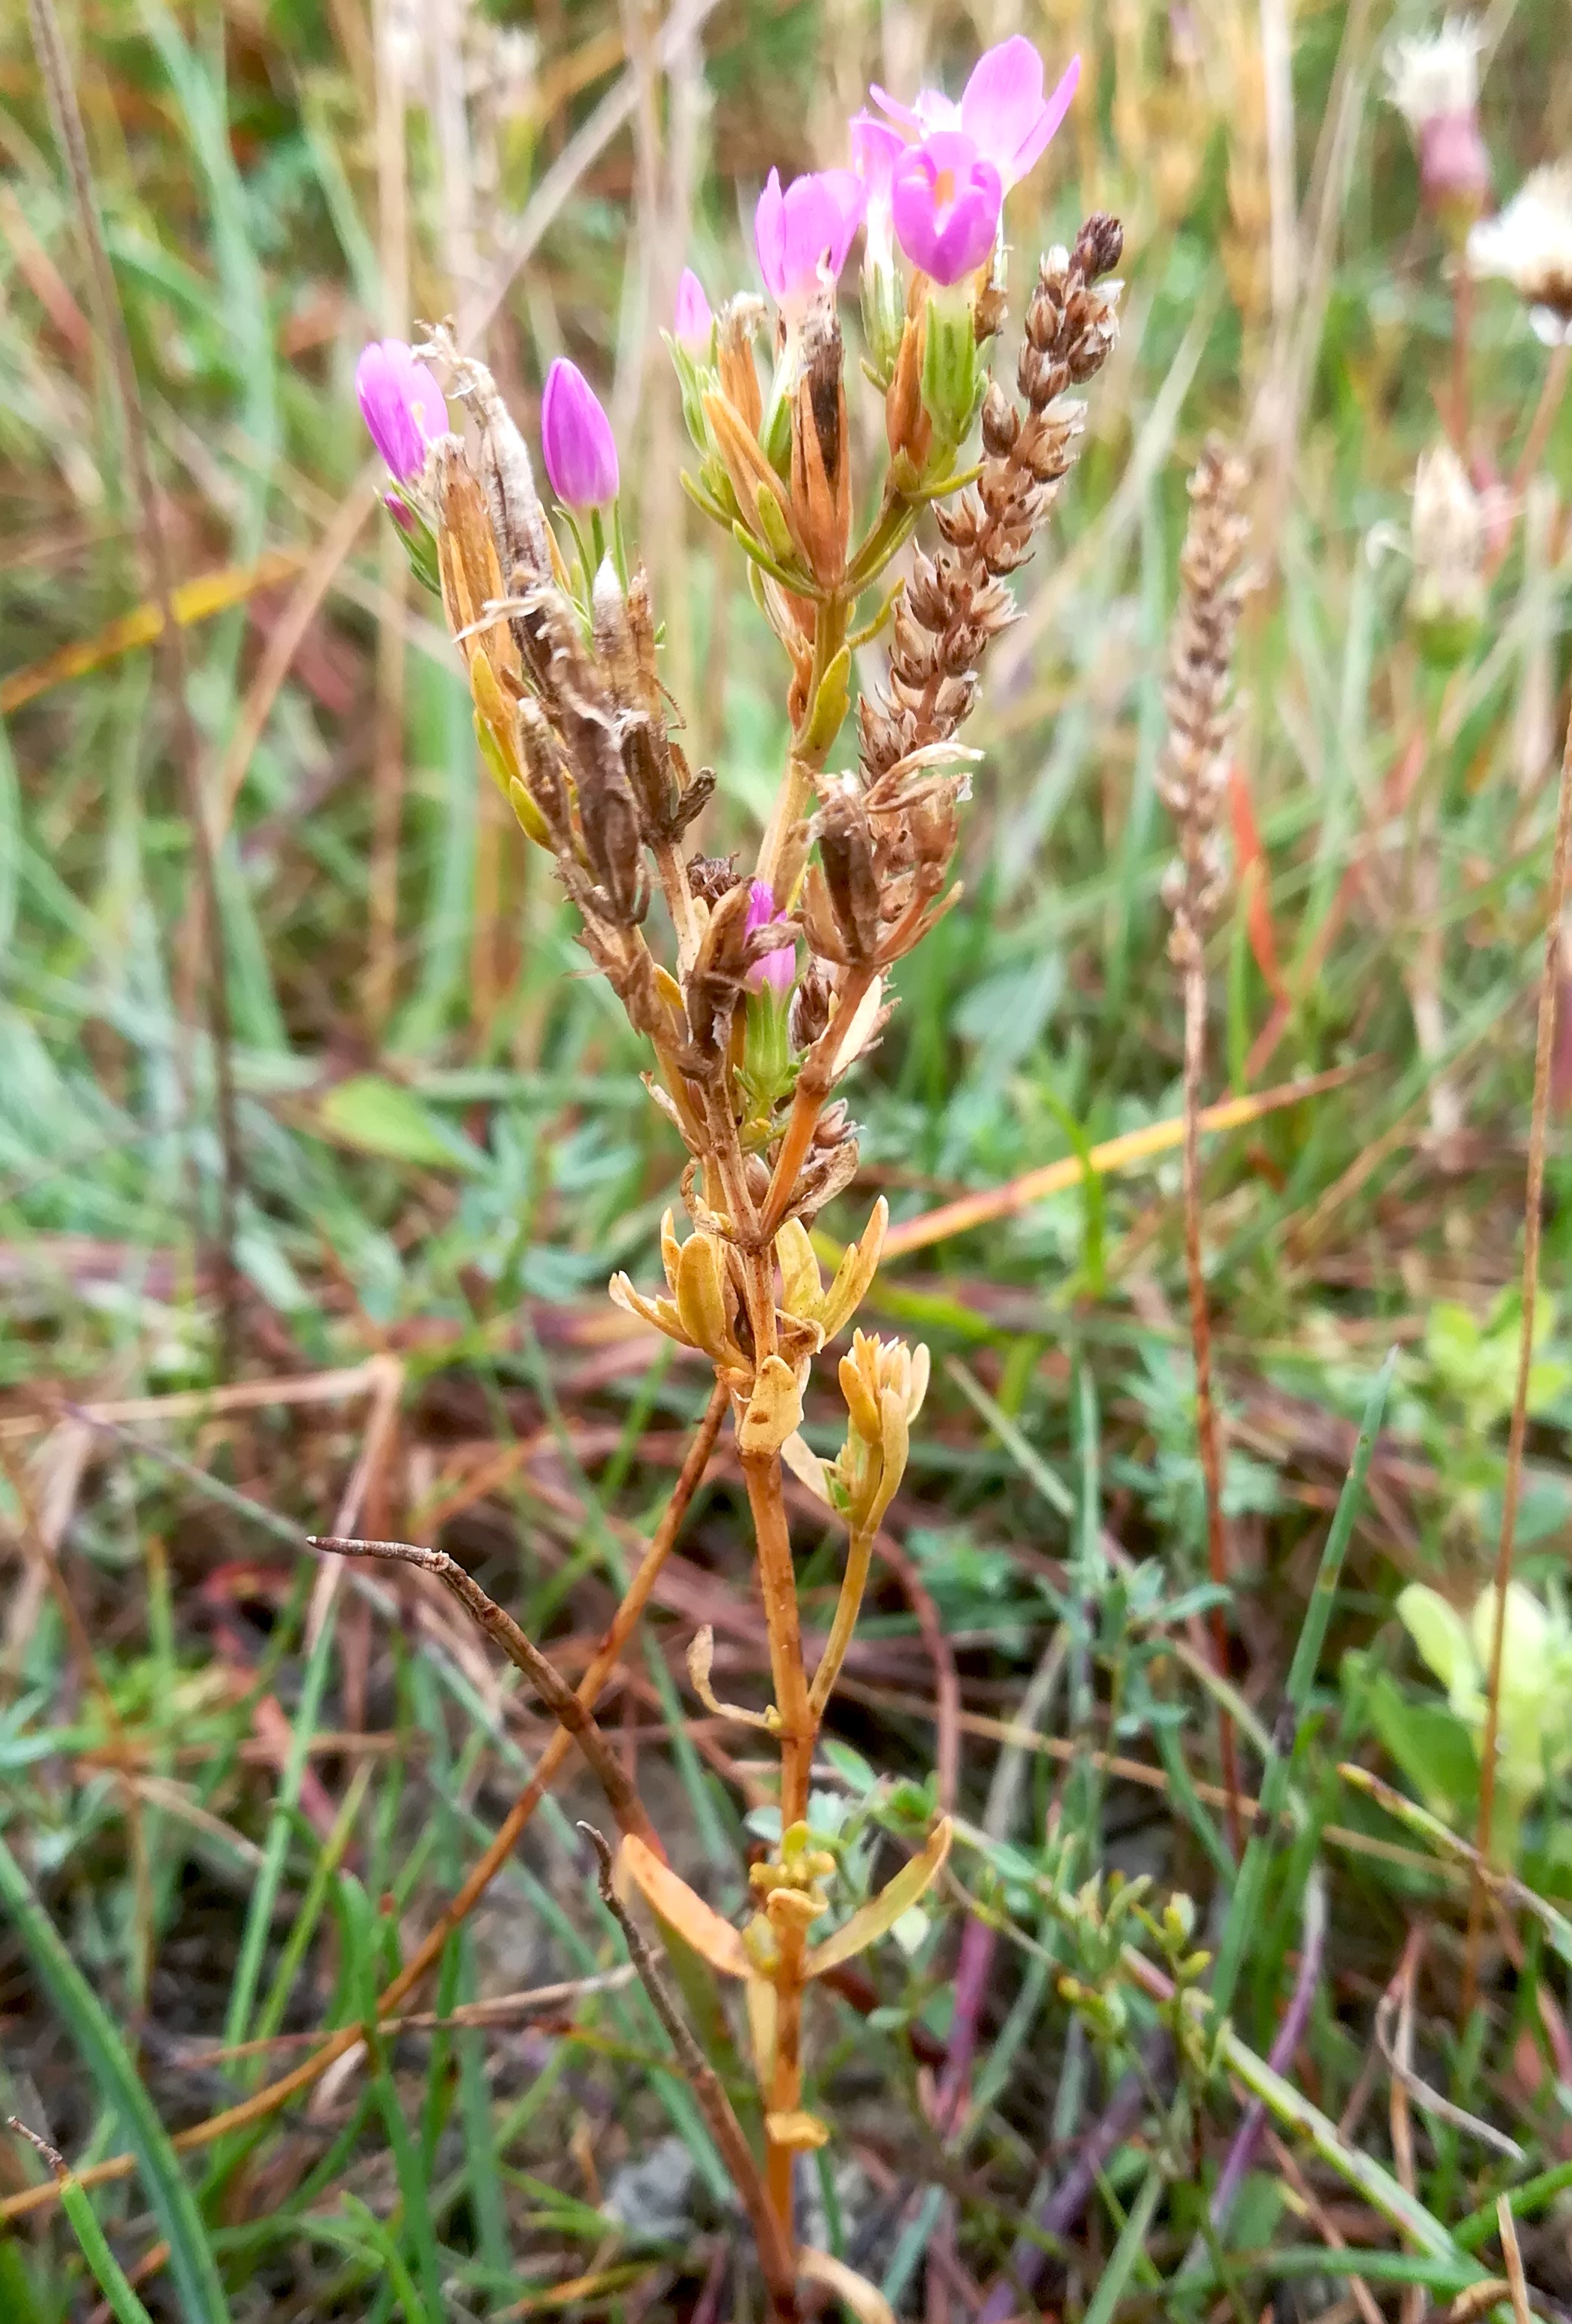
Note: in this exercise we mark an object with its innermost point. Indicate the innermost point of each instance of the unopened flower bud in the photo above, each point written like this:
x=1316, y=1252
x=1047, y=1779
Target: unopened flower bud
x=576, y=440
x=401, y=405
x=876, y=149
x=772, y=971
x=694, y=322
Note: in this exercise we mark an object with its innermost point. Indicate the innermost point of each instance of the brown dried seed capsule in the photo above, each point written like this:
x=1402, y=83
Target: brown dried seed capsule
x=810, y=1005
x=711, y=877
x=846, y=851
x=1000, y=422
x=1099, y=245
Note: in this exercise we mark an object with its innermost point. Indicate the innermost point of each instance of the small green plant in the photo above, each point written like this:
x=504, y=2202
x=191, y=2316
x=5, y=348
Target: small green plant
x=1534, y=1730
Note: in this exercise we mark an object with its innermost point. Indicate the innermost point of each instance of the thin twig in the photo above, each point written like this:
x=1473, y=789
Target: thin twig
x=775, y=2256
x=543, y=1676
x=1512, y=2258
x=1512, y=1490
x=54, y=66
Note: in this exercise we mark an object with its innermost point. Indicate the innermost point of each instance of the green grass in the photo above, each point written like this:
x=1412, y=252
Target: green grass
x=193, y=1852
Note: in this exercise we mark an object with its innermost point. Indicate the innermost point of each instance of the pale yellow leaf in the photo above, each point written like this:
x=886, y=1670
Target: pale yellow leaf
x=682, y=1909
x=881, y=1913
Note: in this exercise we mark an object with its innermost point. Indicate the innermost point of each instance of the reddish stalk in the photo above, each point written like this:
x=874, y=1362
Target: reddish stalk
x=1461, y=332
x=1207, y=1433
x=1512, y=1492
x=798, y=1727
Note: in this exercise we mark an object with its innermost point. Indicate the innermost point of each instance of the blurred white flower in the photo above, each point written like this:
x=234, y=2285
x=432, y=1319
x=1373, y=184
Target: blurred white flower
x=1529, y=245
x=1433, y=81
x=1449, y=525
x=1431, y=75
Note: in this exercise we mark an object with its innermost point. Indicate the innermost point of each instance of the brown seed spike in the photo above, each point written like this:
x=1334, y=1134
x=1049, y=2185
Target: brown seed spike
x=1193, y=774
x=955, y=604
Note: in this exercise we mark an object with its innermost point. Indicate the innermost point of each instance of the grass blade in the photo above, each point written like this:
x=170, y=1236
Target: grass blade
x=192, y=2263
x=1244, y=1910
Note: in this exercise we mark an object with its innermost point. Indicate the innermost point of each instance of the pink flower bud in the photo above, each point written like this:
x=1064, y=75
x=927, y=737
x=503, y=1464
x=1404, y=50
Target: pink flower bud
x=402, y=515
x=1003, y=109
x=694, y=320
x=576, y=440
x=775, y=972
x=1453, y=166
x=803, y=234
x=876, y=149
x=401, y=404
x=945, y=198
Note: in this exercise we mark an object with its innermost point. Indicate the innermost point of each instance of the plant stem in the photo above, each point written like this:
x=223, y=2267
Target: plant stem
x=799, y=1726
x=830, y=622
x=1512, y=1490
x=679, y=903
x=1462, y=327
x=815, y=1080
x=1552, y=390
x=1207, y=1430
x=848, y=1605
x=775, y=2251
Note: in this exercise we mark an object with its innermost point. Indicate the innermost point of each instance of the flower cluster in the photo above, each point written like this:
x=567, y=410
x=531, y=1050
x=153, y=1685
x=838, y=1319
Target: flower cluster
x=558, y=634
x=768, y=983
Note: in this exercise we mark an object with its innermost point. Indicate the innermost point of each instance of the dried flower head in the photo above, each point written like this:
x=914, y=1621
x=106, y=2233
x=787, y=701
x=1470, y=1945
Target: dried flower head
x=1529, y=245
x=1193, y=775
x=955, y=603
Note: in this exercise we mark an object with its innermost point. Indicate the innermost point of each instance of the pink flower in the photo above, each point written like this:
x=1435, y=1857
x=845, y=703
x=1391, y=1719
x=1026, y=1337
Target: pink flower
x=803, y=234
x=946, y=200
x=576, y=440
x=694, y=321
x=877, y=148
x=1003, y=109
x=774, y=972
x=401, y=404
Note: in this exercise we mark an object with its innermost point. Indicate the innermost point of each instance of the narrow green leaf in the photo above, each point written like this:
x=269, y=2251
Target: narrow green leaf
x=1244, y=1910
x=192, y=2263
x=376, y=1116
